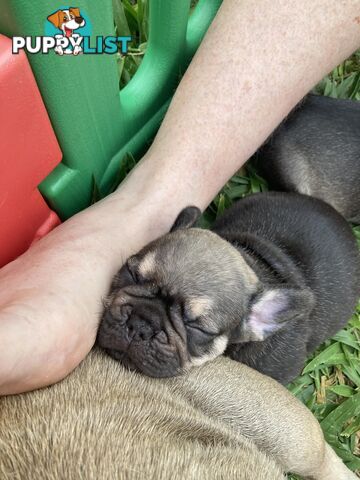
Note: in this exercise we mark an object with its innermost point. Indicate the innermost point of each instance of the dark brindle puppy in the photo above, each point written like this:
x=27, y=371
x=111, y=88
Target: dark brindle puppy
x=278, y=274
x=316, y=151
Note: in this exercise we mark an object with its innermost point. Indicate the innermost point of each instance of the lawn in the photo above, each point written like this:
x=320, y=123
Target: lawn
x=330, y=382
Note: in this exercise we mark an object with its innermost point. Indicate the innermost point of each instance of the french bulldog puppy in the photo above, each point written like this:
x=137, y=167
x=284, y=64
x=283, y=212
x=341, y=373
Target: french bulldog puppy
x=277, y=275
x=316, y=151
x=220, y=421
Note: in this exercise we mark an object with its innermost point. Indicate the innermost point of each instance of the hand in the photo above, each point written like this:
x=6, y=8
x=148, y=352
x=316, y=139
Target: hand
x=51, y=297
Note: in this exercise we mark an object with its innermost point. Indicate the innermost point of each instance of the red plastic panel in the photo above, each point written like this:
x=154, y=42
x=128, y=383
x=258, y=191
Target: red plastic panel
x=28, y=153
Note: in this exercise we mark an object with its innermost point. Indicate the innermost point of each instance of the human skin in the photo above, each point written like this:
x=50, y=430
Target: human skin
x=256, y=62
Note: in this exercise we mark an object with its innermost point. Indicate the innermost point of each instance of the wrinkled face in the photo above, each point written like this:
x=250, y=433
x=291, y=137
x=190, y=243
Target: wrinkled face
x=175, y=303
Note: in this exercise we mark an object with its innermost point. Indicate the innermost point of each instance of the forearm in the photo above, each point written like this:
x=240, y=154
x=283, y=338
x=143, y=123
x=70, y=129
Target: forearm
x=256, y=62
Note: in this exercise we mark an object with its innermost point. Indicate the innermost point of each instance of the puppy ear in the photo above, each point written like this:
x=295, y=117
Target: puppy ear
x=56, y=18
x=186, y=218
x=271, y=311
x=75, y=11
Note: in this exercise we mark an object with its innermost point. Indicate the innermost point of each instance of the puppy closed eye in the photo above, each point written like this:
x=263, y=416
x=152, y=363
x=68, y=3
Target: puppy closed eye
x=199, y=333
x=134, y=274
x=196, y=330
x=198, y=340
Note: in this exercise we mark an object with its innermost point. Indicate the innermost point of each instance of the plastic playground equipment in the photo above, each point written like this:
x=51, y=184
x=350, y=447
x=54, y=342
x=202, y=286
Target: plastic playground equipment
x=63, y=121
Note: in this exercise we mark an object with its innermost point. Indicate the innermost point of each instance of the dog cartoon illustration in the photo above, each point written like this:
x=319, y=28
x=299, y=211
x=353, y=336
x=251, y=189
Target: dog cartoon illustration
x=67, y=21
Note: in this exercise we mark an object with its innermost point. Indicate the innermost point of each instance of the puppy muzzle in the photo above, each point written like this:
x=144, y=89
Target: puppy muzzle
x=138, y=332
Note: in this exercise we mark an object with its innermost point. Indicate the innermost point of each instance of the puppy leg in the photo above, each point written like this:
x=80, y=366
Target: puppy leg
x=333, y=468
x=265, y=412
x=281, y=357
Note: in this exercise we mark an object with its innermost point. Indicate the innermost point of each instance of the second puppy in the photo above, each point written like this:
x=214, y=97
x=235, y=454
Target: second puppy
x=316, y=151
x=278, y=274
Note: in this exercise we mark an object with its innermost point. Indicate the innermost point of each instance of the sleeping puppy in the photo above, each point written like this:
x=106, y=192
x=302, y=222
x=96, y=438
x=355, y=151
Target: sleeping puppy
x=316, y=151
x=277, y=275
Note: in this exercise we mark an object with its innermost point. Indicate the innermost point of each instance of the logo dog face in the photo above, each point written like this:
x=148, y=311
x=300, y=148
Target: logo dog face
x=67, y=20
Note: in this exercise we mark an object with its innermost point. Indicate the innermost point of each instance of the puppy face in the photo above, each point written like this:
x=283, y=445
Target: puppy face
x=67, y=20
x=182, y=299
x=174, y=304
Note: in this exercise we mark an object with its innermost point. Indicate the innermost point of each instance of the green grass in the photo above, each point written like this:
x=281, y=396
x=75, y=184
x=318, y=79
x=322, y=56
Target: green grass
x=330, y=382
x=131, y=18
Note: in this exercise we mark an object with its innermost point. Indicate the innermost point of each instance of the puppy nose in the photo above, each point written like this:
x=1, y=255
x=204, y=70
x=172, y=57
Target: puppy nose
x=79, y=20
x=139, y=330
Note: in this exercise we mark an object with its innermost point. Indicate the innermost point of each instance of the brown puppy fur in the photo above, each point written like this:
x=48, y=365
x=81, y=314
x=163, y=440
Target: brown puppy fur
x=220, y=421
